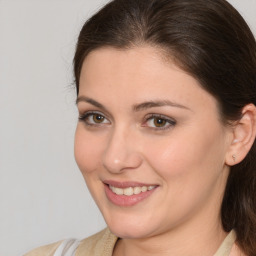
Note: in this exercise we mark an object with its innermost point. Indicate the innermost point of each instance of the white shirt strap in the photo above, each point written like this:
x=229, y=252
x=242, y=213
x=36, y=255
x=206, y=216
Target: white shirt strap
x=67, y=248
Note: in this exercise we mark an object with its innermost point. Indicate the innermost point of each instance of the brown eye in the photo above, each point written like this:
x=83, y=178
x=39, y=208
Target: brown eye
x=91, y=118
x=159, y=122
x=97, y=118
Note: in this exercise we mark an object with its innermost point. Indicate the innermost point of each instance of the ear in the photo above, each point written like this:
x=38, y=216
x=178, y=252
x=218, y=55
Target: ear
x=244, y=133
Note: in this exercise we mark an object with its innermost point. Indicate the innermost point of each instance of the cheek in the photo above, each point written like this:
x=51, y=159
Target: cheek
x=190, y=168
x=188, y=153
x=88, y=151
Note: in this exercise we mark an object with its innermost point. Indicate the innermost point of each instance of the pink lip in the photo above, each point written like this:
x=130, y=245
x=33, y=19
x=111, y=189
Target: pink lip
x=122, y=200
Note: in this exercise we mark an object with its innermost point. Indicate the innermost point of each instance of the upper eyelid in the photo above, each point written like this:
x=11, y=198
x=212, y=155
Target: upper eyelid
x=170, y=121
x=91, y=112
x=161, y=116
x=93, y=108
x=88, y=112
x=146, y=117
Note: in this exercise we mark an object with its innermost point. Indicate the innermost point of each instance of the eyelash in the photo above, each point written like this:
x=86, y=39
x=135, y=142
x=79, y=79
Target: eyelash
x=84, y=118
x=170, y=122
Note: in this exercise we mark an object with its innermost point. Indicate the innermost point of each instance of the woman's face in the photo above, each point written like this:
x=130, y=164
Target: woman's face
x=149, y=143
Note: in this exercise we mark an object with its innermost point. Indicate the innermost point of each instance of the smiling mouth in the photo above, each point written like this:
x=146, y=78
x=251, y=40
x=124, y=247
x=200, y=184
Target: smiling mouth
x=128, y=193
x=130, y=190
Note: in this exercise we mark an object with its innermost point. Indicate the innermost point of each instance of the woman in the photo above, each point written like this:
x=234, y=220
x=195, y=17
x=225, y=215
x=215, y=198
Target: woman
x=167, y=125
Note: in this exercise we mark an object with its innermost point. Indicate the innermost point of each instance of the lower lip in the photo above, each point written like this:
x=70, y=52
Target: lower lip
x=122, y=200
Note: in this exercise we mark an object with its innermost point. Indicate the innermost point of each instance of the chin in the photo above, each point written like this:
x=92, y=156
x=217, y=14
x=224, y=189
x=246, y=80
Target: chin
x=131, y=228
x=131, y=232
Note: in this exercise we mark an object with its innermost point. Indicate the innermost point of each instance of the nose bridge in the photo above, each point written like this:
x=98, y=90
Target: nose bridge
x=121, y=152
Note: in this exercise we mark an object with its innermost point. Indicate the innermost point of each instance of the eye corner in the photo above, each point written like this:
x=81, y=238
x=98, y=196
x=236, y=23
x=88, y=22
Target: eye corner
x=93, y=118
x=158, y=122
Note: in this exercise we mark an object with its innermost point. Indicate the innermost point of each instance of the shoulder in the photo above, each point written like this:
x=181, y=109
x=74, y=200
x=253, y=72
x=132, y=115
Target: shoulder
x=101, y=243
x=47, y=250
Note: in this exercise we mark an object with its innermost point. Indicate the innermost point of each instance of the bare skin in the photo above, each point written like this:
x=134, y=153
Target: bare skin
x=236, y=251
x=144, y=121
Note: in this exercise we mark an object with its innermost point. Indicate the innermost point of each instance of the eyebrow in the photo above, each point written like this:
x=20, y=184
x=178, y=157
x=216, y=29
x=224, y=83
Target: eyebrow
x=91, y=101
x=137, y=107
x=159, y=103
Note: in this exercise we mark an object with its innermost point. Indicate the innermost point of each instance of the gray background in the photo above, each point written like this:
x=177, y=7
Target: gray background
x=43, y=197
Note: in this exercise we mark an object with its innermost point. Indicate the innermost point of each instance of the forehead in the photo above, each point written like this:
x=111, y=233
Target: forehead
x=113, y=59
x=138, y=74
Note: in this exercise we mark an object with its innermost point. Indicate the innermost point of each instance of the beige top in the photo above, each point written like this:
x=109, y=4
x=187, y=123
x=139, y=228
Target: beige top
x=103, y=243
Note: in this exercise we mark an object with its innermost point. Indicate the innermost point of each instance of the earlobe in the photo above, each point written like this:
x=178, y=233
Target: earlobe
x=244, y=133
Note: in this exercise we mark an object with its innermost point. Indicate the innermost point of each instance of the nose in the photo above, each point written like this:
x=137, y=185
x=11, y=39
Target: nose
x=121, y=152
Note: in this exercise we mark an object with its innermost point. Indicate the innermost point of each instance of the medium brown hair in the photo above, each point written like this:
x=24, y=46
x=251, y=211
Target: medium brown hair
x=211, y=41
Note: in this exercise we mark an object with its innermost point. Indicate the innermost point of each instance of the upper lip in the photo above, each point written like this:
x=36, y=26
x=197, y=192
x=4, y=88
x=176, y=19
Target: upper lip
x=126, y=184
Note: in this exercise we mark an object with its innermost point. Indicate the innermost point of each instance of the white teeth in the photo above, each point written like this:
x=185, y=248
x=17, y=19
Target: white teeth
x=119, y=191
x=144, y=189
x=131, y=190
x=136, y=190
x=128, y=191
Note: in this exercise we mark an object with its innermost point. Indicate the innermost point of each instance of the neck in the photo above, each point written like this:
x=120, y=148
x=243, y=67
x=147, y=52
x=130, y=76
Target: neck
x=204, y=240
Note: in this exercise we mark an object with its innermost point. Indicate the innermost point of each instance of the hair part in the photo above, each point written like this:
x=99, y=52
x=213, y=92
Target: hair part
x=209, y=40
